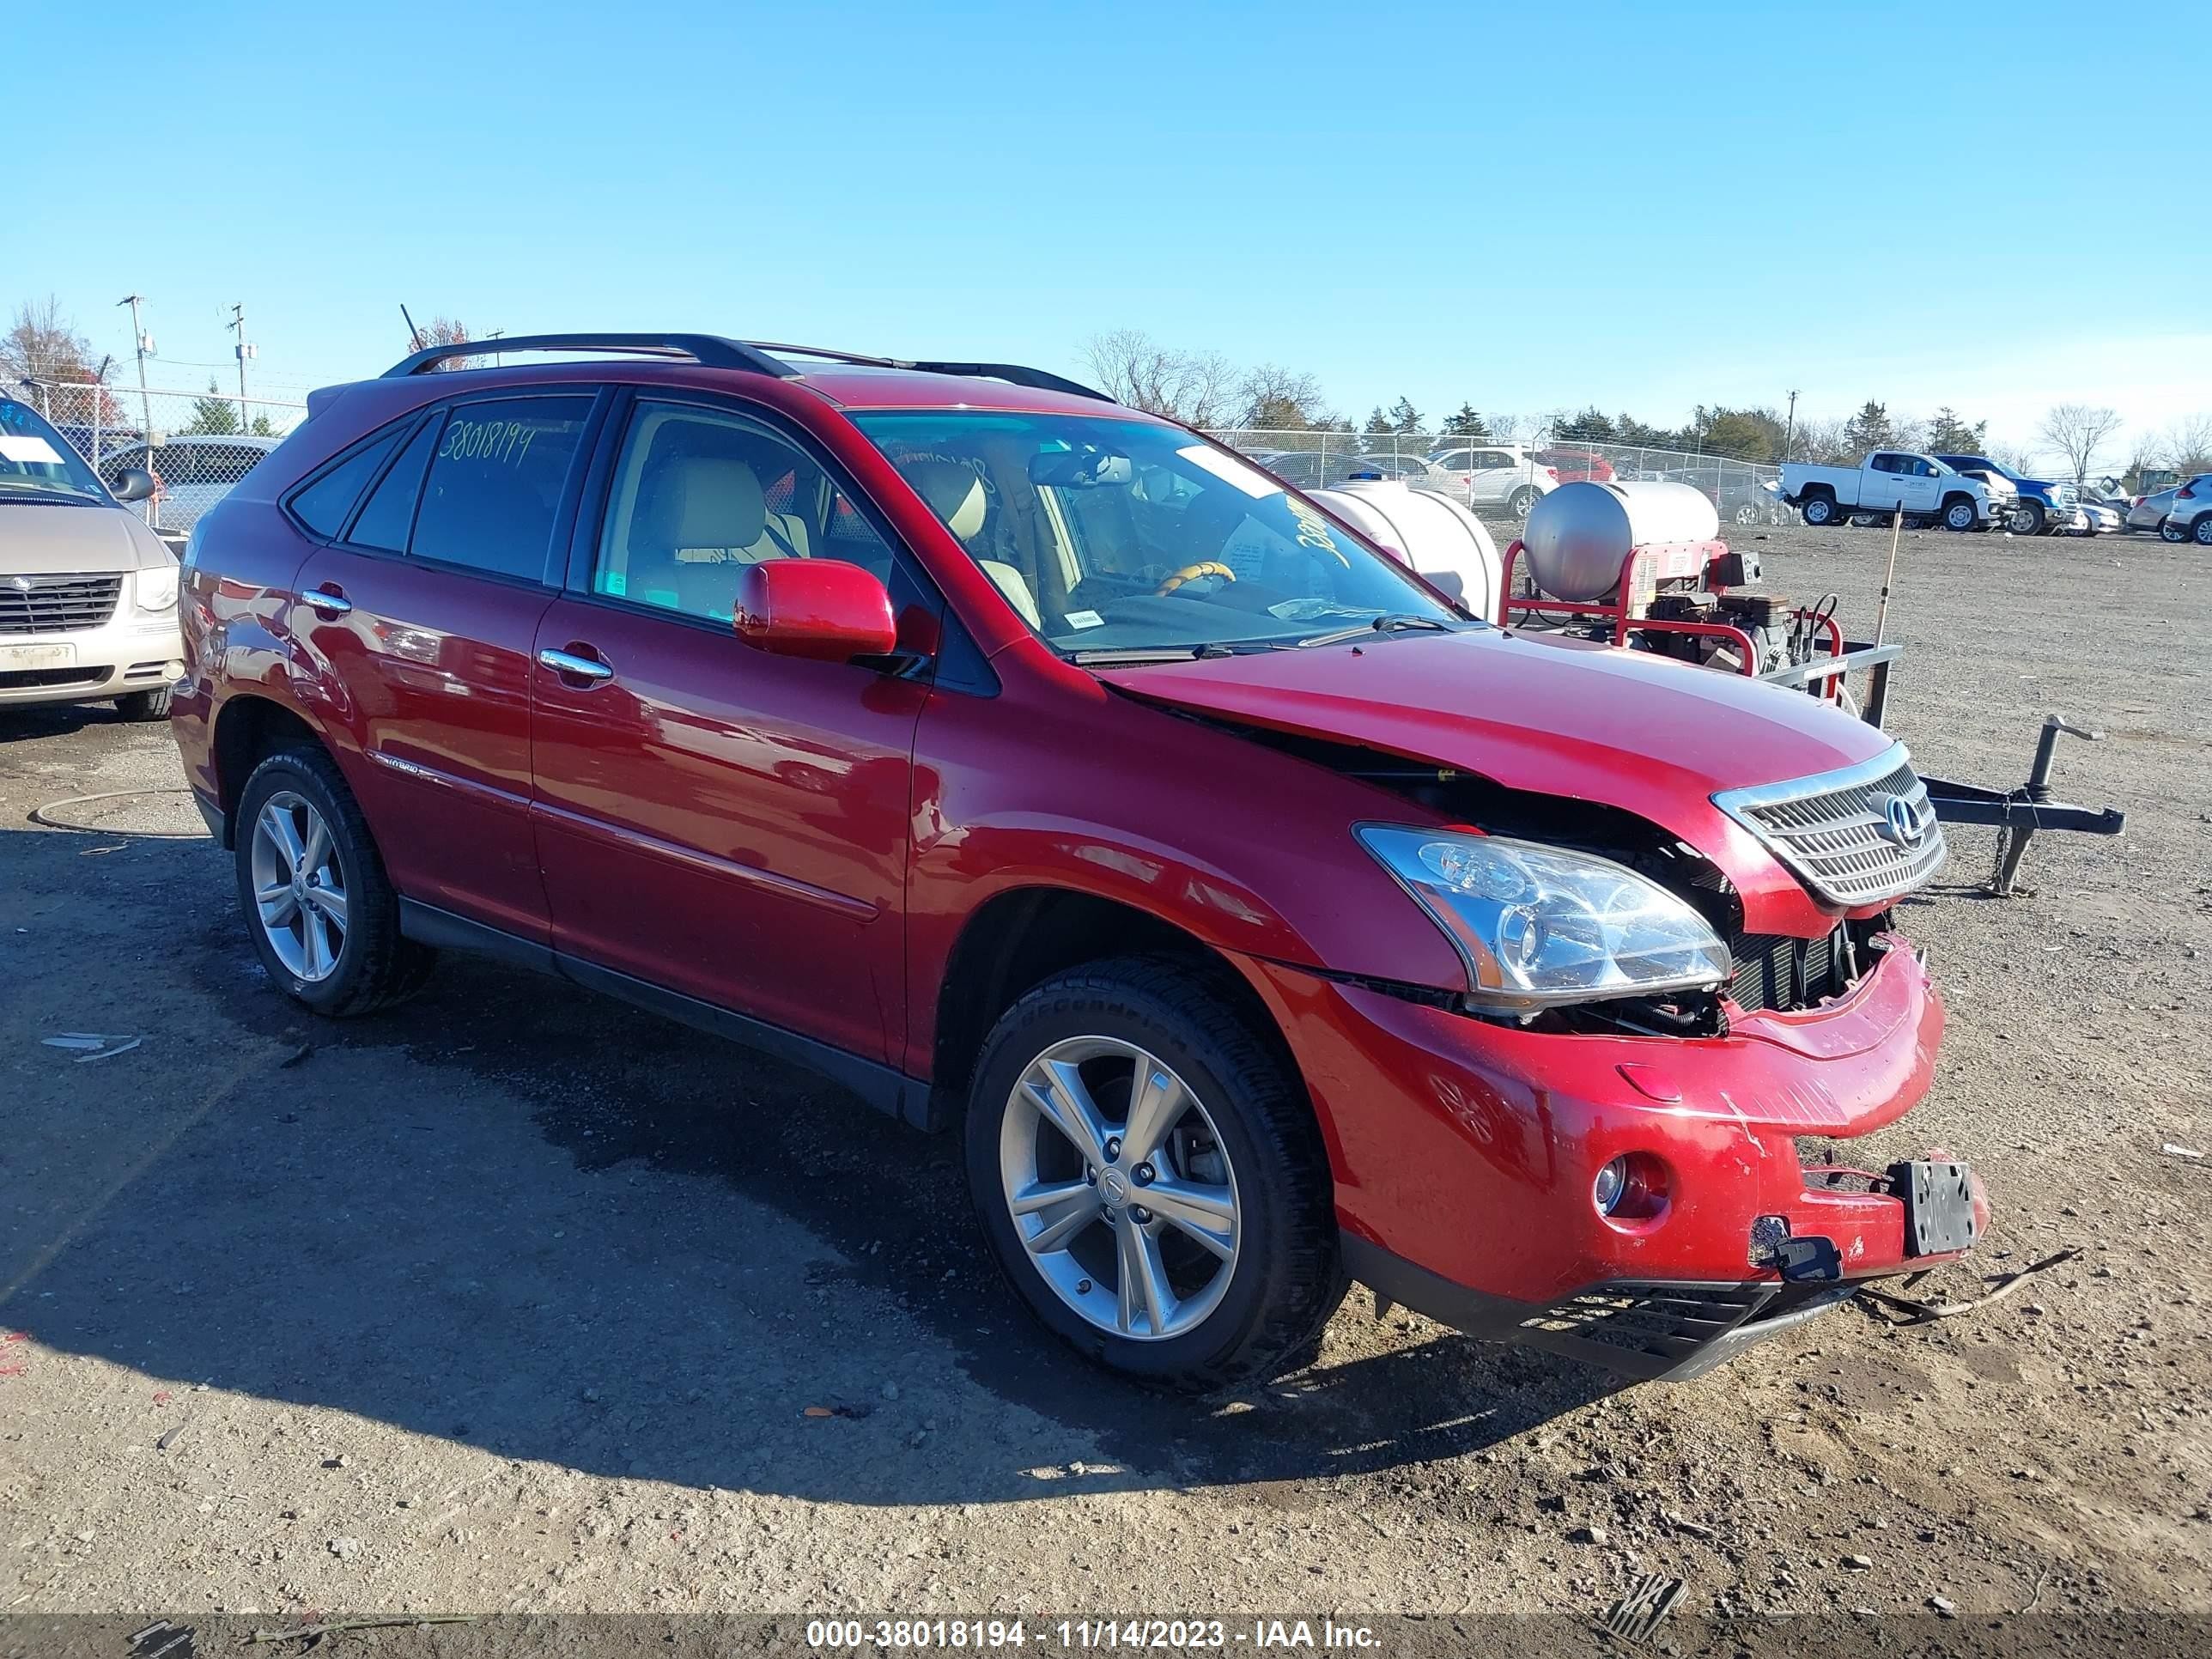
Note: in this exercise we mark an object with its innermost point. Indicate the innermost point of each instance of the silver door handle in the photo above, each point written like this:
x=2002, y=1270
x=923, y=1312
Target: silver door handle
x=583, y=668
x=331, y=604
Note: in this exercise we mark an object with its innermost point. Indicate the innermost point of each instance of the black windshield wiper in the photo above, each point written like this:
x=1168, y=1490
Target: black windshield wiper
x=1380, y=625
x=1125, y=656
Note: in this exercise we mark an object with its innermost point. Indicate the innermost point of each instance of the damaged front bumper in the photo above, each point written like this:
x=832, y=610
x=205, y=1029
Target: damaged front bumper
x=1464, y=1153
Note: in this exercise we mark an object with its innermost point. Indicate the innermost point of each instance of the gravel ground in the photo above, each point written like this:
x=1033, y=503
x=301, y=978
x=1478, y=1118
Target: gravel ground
x=516, y=1300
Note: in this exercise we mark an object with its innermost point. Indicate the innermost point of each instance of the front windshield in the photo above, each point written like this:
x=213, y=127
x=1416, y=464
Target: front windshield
x=1129, y=536
x=37, y=463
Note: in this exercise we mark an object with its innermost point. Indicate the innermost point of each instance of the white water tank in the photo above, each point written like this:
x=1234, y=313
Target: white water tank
x=1579, y=534
x=1432, y=532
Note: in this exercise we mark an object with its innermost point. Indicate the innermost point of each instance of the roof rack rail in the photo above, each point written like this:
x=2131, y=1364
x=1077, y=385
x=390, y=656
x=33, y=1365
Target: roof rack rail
x=710, y=350
x=1013, y=373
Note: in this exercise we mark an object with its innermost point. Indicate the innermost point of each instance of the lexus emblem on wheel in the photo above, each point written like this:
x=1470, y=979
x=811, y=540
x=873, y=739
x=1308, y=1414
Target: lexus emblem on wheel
x=1900, y=824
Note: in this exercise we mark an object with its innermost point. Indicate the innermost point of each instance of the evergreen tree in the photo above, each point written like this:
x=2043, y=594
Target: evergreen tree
x=214, y=414
x=1948, y=434
x=1869, y=429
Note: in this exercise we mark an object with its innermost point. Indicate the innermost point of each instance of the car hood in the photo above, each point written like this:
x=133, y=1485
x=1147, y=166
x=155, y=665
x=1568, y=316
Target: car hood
x=1551, y=716
x=40, y=539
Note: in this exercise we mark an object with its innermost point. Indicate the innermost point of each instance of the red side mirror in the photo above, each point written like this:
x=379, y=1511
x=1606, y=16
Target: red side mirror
x=824, y=609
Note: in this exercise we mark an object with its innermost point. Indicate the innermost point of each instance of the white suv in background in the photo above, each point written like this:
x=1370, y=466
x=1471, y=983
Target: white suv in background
x=88, y=591
x=1494, y=475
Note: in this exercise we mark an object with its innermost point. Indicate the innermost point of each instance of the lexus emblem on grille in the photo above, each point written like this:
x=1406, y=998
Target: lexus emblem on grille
x=1900, y=824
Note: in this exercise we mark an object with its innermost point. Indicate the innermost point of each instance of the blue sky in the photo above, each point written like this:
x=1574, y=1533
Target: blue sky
x=1526, y=207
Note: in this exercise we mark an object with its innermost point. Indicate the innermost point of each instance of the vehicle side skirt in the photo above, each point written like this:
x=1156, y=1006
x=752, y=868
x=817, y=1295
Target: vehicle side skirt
x=881, y=1086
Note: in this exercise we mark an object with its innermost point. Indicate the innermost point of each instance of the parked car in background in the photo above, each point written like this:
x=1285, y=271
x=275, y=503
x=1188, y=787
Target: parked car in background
x=1497, y=475
x=2188, y=518
x=1576, y=465
x=2149, y=511
x=88, y=591
x=2095, y=518
x=1251, y=917
x=1402, y=469
x=2039, y=506
x=1747, y=504
x=190, y=473
x=1892, y=480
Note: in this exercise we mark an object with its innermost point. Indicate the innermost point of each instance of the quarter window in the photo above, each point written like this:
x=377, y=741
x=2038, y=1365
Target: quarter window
x=698, y=494
x=324, y=504
x=385, y=521
x=494, y=487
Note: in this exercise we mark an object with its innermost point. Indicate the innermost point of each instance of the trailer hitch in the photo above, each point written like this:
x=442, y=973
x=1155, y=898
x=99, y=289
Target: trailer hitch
x=2018, y=814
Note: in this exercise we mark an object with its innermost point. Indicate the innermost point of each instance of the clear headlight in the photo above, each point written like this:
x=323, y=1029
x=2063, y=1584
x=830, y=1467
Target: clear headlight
x=157, y=588
x=1538, y=927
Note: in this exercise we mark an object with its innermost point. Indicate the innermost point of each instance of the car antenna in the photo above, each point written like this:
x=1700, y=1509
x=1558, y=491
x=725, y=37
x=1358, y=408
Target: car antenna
x=413, y=332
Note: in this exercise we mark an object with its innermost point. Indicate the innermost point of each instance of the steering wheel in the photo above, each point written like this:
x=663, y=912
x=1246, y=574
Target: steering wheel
x=1192, y=573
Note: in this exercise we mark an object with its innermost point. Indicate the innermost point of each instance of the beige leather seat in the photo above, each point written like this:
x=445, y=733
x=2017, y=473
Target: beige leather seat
x=956, y=495
x=703, y=516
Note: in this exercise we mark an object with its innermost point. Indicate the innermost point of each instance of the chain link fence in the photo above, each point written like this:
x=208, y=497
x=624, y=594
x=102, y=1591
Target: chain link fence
x=197, y=444
x=1501, y=478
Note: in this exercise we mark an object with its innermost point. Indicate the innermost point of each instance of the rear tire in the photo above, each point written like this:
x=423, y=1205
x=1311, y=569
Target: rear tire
x=1748, y=513
x=1246, y=1137
x=1818, y=511
x=2170, y=531
x=138, y=707
x=325, y=919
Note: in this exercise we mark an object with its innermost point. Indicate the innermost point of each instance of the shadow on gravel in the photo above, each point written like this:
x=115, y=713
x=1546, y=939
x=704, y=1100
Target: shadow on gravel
x=48, y=721
x=364, y=1223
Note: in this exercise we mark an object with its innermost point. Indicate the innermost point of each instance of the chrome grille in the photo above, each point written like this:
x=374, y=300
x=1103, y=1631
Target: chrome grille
x=56, y=605
x=1836, y=832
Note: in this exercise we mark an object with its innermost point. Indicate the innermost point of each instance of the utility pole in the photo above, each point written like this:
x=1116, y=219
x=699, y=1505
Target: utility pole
x=494, y=335
x=246, y=352
x=1790, y=431
x=143, y=343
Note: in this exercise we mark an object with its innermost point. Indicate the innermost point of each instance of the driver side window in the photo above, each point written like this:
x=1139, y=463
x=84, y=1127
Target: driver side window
x=697, y=495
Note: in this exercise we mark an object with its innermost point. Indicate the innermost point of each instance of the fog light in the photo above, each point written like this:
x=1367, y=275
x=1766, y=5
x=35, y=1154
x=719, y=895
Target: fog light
x=1611, y=1183
x=1631, y=1190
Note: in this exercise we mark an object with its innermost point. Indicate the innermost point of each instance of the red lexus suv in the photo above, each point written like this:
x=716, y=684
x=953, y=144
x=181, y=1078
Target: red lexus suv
x=1259, y=917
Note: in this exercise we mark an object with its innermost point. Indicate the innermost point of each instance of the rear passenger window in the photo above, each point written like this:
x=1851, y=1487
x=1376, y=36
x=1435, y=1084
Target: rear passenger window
x=323, y=504
x=384, y=523
x=494, y=483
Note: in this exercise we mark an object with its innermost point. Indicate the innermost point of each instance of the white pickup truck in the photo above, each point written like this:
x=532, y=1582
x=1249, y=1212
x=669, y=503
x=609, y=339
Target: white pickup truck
x=1919, y=487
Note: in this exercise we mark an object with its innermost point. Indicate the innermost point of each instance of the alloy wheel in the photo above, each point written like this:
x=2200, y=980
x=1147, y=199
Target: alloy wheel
x=299, y=886
x=1120, y=1187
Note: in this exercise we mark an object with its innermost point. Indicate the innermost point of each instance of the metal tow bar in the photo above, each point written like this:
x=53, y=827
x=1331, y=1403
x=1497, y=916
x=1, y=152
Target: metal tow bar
x=2017, y=814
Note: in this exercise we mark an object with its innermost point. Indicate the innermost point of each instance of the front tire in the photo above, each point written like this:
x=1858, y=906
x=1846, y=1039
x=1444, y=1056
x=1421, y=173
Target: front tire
x=2201, y=531
x=1523, y=501
x=1748, y=513
x=1149, y=1172
x=142, y=706
x=2027, y=519
x=322, y=914
x=1960, y=516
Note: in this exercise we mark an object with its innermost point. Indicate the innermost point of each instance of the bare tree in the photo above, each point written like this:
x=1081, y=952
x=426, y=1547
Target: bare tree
x=2186, y=445
x=2010, y=455
x=2078, y=432
x=1197, y=387
x=445, y=332
x=43, y=344
x=1279, y=399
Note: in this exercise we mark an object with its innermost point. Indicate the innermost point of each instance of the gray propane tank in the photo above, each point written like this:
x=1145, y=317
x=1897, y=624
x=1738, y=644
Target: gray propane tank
x=1578, y=535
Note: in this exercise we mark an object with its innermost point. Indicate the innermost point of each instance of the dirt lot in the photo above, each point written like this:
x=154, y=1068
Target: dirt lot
x=516, y=1298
